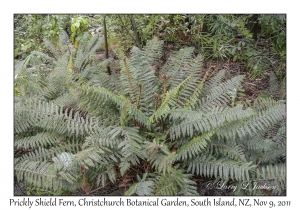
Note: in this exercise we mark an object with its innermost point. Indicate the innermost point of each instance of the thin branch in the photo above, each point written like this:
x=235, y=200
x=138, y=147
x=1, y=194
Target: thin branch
x=124, y=27
x=137, y=37
x=106, y=44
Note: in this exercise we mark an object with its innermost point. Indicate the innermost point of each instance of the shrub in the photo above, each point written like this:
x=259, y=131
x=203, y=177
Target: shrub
x=78, y=127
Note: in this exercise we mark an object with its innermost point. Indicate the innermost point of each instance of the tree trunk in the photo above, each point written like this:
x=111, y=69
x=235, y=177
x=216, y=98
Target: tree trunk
x=253, y=26
x=106, y=44
x=137, y=37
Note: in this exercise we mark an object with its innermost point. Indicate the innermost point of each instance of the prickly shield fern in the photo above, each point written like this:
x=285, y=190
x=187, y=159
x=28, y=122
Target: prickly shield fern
x=84, y=128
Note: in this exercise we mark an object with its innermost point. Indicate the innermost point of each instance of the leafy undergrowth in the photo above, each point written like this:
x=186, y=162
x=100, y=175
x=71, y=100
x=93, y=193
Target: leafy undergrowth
x=163, y=123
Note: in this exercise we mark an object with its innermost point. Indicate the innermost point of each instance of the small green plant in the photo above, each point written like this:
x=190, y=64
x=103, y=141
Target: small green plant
x=79, y=25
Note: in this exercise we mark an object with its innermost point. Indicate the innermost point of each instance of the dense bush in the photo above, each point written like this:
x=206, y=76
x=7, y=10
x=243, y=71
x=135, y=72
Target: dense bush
x=256, y=41
x=78, y=127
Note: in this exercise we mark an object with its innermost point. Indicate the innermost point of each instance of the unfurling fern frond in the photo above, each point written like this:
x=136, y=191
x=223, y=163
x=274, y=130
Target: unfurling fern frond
x=169, y=101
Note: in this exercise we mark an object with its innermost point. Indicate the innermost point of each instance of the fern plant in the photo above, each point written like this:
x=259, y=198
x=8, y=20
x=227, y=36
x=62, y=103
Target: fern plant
x=78, y=127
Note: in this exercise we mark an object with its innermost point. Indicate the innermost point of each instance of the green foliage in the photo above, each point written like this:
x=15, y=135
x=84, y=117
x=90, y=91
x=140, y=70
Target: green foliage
x=78, y=26
x=74, y=123
x=143, y=187
x=30, y=29
x=274, y=26
x=257, y=41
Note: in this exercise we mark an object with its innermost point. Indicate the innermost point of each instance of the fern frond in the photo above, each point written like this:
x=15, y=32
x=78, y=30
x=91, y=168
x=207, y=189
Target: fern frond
x=27, y=85
x=166, y=185
x=272, y=156
x=94, y=98
x=96, y=75
x=196, y=89
x=131, y=149
x=174, y=183
x=280, y=136
x=52, y=118
x=63, y=42
x=143, y=75
x=88, y=157
x=105, y=173
x=188, y=187
x=126, y=78
x=49, y=45
x=63, y=161
x=152, y=51
x=143, y=187
x=99, y=102
x=256, y=143
x=195, y=67
x=86, y=48
x=273, y=86
x=192, y=94
x=43, y=56
x=176, y=67
x=104, y=136
x=194, y=146
x=269, y=112
x=40, y=154
x=168, y=102
x=40, y=140
x=220, y=94
x=215, y=80
x=216, y=118
x=66, y=100
x=163, y=162
x=274, y=173
x=41, y=175
x=209, y=166
x=232, y=151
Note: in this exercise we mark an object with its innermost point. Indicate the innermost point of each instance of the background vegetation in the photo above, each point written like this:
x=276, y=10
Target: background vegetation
x=198, y=99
